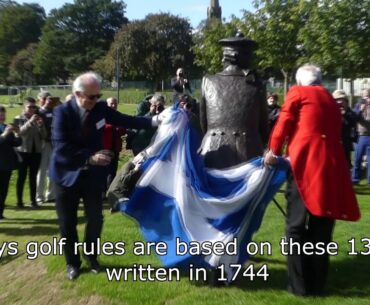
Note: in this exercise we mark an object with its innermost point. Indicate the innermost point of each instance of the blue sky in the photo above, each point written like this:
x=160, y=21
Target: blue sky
x=194, y=10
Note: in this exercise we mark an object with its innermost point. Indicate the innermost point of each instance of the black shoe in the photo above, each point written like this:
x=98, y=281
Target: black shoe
x=94, y=266
x=72, y=272
x=2, y=217
x=213, y=278
x=34, y=205
x=20, y=205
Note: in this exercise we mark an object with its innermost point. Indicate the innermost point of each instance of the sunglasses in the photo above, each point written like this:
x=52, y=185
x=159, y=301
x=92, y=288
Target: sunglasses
x=93, y=97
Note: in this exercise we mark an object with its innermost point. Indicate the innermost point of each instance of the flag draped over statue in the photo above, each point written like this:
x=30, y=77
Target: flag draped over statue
x=177, y=197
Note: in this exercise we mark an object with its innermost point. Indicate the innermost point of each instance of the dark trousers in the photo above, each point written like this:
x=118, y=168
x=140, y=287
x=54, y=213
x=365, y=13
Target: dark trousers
x=30, y=162
x=67, y=201
x=362, y=148
x=113, y=166
x=4, y=186
x=306, y=273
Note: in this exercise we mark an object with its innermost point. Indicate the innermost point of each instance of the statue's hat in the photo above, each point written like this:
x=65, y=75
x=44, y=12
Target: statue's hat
x=238, y=41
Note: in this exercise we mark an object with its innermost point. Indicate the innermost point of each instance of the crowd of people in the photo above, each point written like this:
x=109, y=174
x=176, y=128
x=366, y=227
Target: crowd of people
x=70, y=151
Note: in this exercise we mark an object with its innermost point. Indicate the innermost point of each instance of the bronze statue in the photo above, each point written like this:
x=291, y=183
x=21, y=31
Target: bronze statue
x=233, y=110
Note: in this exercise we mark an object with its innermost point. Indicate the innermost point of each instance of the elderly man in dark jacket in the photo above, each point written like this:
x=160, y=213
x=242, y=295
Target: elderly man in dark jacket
x=233, y=111
x=9, y=158
x=349, y=119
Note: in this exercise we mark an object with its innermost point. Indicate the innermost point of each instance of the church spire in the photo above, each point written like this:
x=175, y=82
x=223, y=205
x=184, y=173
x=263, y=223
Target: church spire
x=214, y=11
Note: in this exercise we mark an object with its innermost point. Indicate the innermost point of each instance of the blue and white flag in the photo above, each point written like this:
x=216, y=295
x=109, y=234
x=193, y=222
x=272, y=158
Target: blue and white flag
x=177, y=197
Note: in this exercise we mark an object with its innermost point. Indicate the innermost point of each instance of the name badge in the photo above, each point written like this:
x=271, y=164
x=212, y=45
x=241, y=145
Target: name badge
x=100, y=124
x=49, y=115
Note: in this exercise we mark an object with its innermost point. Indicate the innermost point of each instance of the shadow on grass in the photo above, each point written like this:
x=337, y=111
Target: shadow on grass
x=36, y=221
x=347, y=278
x=42, y=207
x=362, y=189
x=31, y=231
x=350, y=277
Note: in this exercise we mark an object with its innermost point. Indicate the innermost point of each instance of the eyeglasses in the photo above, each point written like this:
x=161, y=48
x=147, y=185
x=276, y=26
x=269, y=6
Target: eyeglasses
x=93, y=97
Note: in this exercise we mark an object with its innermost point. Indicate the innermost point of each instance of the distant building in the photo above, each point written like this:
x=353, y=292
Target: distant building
x=214, y=11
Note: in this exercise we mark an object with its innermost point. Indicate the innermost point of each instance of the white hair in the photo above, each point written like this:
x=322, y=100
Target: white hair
x=43, y=94
x=79, y=84
x=308, y=74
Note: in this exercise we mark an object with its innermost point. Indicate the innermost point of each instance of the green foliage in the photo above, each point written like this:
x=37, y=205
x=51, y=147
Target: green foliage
x=20, y=25
x=337, y=37
x=275, y=26
x=76, y=35
x=151, y=48
x=208, y=52
x=21, y=66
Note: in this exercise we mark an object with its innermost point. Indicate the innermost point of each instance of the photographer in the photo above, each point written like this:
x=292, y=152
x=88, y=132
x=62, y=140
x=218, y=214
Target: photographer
x=140, y=139
x=180, y=85
x=9, y=159
x=349, y=119
x=33, y=132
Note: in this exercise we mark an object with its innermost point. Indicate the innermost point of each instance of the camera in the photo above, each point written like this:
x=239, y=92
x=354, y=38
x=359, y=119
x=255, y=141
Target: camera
x=16, y=122
x=181, y=74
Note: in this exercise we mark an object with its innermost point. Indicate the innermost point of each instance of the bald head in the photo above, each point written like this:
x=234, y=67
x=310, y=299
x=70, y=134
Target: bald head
x=112, y=102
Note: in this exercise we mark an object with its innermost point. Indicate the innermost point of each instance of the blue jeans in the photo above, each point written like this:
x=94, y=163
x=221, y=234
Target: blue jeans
x=362, y=148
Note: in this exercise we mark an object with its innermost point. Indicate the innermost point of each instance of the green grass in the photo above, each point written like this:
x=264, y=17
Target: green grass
x=43, y=281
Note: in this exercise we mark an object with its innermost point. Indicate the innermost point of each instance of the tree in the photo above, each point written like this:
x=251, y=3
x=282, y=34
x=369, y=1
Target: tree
x=151, y=48
x=337, y=37
x=76, y=35
x=275, y=26
x=20, y=25
x=21, y=66
x=207, y=50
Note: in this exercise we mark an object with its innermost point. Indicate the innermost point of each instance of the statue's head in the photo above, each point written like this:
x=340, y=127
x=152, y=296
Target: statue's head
x=238, y=50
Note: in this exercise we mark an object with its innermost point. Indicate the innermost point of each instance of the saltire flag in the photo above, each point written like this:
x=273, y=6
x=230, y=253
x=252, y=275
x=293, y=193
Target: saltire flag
x=177, y=197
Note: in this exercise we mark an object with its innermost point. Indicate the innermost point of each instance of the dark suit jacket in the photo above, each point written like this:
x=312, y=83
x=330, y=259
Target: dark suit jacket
x=72, y=149
x=8, y=157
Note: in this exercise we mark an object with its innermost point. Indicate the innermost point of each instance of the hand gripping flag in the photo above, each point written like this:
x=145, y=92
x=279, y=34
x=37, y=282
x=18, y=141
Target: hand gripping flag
x=177, y=197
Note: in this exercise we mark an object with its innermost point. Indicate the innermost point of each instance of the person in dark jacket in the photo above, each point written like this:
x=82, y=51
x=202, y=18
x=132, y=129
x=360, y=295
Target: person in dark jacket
x=349, y=120
x=141, y=138
x=273, y=109
x=8, y=157
x=180, y=85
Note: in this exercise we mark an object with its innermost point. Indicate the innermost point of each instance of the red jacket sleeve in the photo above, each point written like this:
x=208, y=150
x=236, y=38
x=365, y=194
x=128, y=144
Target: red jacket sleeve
x=285, y=126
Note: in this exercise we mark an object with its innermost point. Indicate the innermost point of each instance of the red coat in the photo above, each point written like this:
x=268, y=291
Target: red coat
x=310, y=123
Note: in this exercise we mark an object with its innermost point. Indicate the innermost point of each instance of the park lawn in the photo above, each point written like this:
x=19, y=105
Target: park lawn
x=43, y=281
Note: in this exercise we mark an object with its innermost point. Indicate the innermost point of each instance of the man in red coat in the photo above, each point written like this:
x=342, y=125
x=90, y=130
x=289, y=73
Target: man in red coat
x=319, y=188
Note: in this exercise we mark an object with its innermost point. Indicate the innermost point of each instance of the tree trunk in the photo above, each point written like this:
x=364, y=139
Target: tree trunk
x=286, y=78
x=351, y=92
